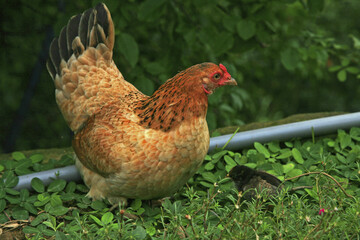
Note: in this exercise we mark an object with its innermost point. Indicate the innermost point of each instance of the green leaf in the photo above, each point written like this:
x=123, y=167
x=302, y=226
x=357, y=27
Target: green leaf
x=20, y=214
x=12, y=191
x=261, y=149
x=145, y=85
x=341, y=75
x=129, y=48
x=221, y=43
x=335, y=68
x=297, y=156
x=356, y=41
x=136, y=204
x=140, y=211
x=139, y=232
x=55, y=200
x=24, y=195
x=355, y=133
x=209, y=166
x=18, y=156
x=312, y=193
x=58, y=210
x=294, y=172
x=345, y=62
x=206, y=184
x=250, y=165
x=107, y=218
x=13, y=200
x=49, y=224
x=345, y=139
x=24, y=163
x=353, y=70
x=60, y=235
x=229, y=161
x=70, y=187
x=30, y=207
x=36, y=158
x=10, y=180
x=278, y=168
x=288, y=167
x=1, y=168
x=218, y=155
x=316, y=5
x=57, y=185
x=98, y=205
x=39, y=219
x=30, y=230
x=2, y=204
x=37, y=185
x=290, y=58
x=274, y=147
x=246, y=29
x=286, y=153
x=96, y=220
x=155, y=68
x=208, y=176
x=150, y=229
x=148, y=8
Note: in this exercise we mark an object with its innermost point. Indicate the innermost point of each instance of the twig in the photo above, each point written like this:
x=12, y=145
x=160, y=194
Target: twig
x=257, y=236
x=325, y=174
x=301, y=187
x=188, y=217
x=207, y=208
x=183, y=230
x=318, y=191
x=230, y=138
x=312, y=230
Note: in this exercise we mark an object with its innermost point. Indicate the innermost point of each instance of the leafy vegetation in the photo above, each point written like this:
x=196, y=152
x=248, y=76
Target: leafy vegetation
x=288, y=56
x=209, y=206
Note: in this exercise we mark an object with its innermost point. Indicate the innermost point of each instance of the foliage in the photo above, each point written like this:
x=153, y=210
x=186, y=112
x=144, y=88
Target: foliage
x=209, y=207
x=273, y=48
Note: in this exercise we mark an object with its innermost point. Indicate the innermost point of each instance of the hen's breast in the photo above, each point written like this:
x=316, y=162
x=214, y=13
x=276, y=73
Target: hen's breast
x=154, y=164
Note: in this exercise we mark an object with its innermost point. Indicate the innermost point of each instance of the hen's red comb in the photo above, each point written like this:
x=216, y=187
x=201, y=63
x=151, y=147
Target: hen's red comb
x=223, y=68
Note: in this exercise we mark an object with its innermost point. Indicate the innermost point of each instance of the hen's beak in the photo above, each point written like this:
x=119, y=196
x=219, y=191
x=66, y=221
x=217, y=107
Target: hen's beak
x=230, y=81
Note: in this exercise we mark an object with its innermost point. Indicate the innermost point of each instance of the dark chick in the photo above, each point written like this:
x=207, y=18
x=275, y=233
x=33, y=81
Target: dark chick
x=246, y=178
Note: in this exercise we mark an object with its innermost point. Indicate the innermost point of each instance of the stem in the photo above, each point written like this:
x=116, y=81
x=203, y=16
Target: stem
x=230, y=138
x=325, y=174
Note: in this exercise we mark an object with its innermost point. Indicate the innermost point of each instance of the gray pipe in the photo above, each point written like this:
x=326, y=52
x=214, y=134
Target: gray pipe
x=301, y=129
x=240, y=140
x=68, y=173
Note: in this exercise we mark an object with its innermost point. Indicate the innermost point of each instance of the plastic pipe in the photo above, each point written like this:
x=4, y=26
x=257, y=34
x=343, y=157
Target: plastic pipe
x=320, y=126
x=68, y=173
x=240, y=140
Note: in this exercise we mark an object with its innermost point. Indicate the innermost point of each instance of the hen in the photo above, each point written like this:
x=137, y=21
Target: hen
x=128, y=145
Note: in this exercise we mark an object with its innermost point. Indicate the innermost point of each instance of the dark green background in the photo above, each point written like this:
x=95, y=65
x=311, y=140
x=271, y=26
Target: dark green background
x=288, y=57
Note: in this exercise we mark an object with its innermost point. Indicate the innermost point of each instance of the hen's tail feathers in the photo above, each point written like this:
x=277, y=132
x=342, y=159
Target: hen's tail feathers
x=92, y=27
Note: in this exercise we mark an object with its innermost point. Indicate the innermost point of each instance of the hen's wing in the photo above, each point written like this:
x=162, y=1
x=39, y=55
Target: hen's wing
x=81, y=65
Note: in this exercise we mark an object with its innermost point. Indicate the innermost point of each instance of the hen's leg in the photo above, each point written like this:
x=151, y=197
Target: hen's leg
x=98, y=185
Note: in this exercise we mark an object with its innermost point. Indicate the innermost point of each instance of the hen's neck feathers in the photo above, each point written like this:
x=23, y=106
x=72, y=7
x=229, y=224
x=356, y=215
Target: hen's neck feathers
x=179, y=99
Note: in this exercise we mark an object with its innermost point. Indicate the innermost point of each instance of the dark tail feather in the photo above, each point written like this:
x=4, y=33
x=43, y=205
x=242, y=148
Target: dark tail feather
x=92, y=27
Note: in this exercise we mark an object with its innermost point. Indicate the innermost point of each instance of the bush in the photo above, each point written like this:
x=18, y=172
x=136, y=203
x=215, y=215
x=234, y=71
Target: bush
x=288, y=57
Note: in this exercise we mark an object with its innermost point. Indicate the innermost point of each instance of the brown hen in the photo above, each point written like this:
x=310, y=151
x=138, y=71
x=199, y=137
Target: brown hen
x=128, y=145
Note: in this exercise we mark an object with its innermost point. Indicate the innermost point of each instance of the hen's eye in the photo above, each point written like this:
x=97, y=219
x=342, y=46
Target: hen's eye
x=217, y=76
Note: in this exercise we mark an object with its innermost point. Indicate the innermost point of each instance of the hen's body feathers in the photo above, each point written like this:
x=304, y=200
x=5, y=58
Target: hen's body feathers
x=128, y=145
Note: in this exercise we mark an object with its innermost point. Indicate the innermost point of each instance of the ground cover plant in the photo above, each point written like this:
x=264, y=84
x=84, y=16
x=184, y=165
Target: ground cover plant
x=320, y=199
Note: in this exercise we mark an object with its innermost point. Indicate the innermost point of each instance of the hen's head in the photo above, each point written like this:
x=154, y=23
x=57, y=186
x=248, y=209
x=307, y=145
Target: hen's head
x=213, y=76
